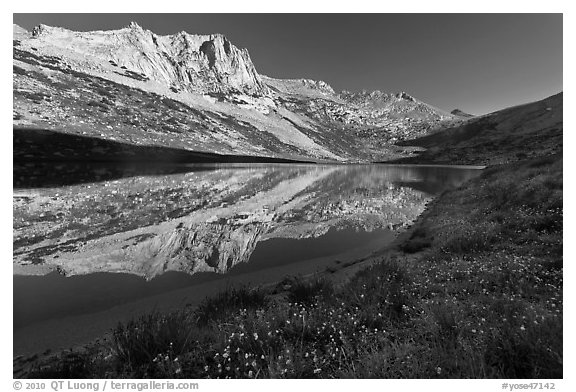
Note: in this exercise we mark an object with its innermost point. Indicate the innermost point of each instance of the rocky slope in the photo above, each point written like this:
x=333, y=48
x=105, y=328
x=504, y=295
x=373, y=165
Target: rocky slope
x=201, y=93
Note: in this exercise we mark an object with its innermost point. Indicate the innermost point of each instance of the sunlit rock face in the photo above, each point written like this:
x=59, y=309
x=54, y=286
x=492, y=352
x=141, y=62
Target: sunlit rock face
x=201, y=93
x=212, y=219
x=207, y=63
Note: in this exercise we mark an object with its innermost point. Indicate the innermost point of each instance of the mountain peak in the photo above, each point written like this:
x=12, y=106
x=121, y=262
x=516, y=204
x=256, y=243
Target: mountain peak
x=404, y=95
x=182, y=61
x=460, y=113
x=39, y=30
x=134, y=25
x=318, y=85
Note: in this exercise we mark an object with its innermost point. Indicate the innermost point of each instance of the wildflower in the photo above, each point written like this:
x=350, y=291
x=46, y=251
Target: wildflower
x=522, y=328
x=255, y=336
x=225, y=355
x=250, y=374
x=316, y=371
x=438, y=370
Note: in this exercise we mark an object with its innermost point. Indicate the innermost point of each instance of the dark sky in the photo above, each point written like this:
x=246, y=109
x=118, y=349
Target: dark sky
x=476, y=62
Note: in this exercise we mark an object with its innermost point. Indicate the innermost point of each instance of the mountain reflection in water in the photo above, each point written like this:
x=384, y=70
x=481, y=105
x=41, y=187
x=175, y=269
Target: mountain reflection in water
x=200, y=218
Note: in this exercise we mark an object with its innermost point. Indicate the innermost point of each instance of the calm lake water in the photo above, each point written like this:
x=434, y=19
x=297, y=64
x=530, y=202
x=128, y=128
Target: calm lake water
x=94, y=245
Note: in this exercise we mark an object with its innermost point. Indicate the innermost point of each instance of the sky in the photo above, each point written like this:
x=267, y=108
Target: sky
x=478, y=63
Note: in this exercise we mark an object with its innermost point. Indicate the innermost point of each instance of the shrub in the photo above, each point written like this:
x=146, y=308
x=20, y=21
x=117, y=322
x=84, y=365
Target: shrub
x=304, y=291
x=220, y=307
x=419, y=240
x=141, y=340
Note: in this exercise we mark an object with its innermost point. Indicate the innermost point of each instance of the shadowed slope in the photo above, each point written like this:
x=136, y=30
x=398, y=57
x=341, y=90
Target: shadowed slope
x=529, y=130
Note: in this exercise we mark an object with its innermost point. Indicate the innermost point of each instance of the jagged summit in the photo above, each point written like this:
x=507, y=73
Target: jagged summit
x=377, y=98
x=134, y=25
x=201, y=93
x=404, y=95
x=377, y=94
x=182, y=61
x=318, y=85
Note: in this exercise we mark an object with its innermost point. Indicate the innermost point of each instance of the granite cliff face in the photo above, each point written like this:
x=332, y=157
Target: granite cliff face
x=201, y=93
x=194, y=63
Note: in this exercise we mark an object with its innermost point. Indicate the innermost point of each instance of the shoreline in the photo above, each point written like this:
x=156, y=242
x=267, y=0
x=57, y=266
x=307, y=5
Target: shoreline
x=76, y=331
x=447, y=281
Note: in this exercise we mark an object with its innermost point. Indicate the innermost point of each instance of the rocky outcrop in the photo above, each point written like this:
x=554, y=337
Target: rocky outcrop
x=395, y=103
x=195, y=63
x=318, y=85
x=460, y=113
x=312, y=89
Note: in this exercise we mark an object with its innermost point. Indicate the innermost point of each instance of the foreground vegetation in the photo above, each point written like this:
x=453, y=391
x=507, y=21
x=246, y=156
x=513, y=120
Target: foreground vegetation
x=473, y=290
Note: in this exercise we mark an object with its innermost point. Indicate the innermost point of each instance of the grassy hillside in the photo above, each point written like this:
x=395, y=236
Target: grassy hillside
x=509, y=135
x=474, y=289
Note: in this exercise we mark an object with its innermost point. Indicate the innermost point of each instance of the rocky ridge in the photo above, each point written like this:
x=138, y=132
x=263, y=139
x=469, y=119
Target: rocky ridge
x=208, y=97
x=182, y=61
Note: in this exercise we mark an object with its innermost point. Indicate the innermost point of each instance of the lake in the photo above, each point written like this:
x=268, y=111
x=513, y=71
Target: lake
x=98, y=244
